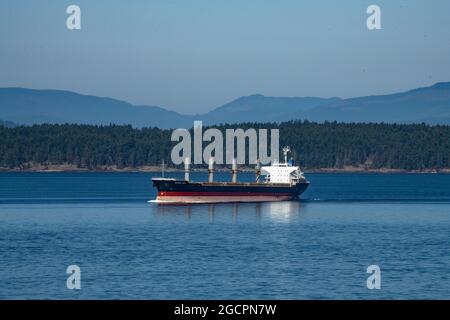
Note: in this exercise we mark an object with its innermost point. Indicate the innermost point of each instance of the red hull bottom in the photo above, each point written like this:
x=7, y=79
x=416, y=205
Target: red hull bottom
x=222, y=199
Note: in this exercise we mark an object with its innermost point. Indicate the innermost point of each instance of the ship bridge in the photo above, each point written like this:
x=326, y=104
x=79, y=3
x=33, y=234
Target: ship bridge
x=283, y=172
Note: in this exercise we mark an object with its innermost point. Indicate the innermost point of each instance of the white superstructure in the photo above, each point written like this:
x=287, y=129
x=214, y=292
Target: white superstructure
x=283, y=172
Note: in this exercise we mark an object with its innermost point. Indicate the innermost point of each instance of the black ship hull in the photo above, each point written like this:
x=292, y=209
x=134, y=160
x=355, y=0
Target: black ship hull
x=179, y=191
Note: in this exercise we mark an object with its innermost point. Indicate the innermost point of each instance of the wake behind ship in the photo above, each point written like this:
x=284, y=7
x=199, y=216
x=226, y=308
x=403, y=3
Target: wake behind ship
x=282, y=181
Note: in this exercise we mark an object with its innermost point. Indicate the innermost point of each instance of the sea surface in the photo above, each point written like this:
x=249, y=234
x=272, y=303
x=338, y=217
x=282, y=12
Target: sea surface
x=315, y=248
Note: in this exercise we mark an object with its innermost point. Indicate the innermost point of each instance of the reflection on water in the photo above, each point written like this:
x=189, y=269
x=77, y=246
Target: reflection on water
x=282, y=211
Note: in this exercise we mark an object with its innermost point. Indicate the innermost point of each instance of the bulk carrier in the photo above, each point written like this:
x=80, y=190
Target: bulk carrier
x=277, y=182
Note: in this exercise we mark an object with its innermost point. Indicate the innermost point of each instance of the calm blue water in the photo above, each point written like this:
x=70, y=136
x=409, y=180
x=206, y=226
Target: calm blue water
x=317, y=248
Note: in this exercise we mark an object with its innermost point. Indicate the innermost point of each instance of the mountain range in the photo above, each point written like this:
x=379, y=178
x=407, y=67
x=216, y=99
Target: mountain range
x=29, y=106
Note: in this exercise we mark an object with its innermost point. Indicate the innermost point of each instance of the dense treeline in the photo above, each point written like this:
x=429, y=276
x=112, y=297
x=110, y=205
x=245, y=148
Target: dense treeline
x=82, y=145
x=327, y=145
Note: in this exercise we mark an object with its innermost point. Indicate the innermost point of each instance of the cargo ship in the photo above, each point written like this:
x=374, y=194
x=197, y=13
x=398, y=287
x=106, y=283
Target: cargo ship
x=277, y=182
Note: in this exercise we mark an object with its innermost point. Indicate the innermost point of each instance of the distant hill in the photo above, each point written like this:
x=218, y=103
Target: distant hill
x=27, y=106
x=7, y=124
x=258, y=108
x=430, y=105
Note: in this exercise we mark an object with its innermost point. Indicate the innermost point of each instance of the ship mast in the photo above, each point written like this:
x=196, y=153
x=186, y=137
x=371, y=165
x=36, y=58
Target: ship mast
x=286, y=150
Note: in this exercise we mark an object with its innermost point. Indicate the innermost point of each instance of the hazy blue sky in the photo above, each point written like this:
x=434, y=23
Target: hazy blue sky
x=192, y=55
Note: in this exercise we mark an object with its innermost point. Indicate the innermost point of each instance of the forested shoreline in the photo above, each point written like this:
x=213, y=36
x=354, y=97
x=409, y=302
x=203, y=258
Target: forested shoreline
x=329, y=145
